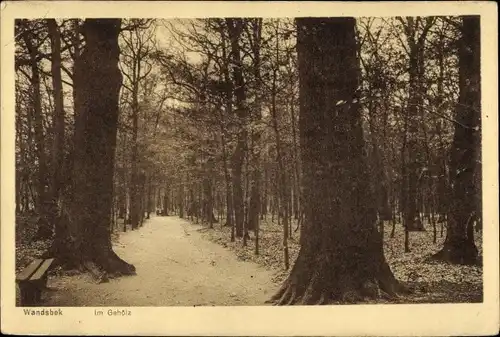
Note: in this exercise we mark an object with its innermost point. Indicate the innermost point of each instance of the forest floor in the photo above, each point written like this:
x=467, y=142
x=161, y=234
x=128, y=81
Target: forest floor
x=184, y=264
x=175, y=267
x=433, y=282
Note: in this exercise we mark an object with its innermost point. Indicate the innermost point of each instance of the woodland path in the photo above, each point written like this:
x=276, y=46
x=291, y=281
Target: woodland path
x=175, y=267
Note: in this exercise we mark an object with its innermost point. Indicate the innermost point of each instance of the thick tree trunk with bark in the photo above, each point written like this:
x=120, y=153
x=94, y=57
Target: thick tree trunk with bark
x=459, y=246
x=84, y=237
x=341, y=257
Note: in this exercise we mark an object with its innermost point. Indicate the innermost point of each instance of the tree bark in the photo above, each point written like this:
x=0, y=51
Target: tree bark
x=414, y=112
x=181, y=200
x=459, y=246
x=85, y=222
x=412, y=213
x=135, y=196
x=235, y=27
x=255, y=155
x=208, y=199
x=341, y=257
x=59, y=127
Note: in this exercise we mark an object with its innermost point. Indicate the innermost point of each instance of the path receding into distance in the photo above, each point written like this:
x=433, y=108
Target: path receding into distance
x=175, y=266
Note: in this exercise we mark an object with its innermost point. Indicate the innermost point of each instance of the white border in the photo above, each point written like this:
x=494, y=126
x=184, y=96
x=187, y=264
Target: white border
x=387, y=320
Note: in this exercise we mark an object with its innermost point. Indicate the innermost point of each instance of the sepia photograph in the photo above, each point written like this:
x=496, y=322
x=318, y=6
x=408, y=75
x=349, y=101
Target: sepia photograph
x=331, y=161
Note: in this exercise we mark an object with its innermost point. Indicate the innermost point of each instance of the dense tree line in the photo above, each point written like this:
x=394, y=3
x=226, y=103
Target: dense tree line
x=334, y=126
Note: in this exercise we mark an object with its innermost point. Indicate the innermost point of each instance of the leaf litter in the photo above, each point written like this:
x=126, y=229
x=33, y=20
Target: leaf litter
x=431, y=281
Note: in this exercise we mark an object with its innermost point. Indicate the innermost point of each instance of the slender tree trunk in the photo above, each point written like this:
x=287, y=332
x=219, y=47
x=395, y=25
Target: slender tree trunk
x=255, y=154
x=135, y=197
x=164, y=208
x=415, y=117
x=412, y=218
x=142, y=197
x=235, y=27
x=181, y=200
x=38, y=126
x=148, y=196
x=227, y=180
x=265, y=192
x=377, y=162
x=59, y=125
x=229, y=112
x=43, y=208
x=279, y=158
x=122, y=194
x=208, y=200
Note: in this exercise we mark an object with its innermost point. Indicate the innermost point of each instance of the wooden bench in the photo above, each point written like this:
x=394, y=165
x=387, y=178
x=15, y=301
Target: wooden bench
x=32, y=280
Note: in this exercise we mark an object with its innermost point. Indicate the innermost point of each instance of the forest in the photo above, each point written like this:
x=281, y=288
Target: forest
x=344, y=154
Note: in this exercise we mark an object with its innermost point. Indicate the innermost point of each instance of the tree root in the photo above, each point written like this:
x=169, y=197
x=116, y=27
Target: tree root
x=106, y=266
x=98, y=274
x=113, y=265
x=323, y=287
x=467, y=255
x=292, y=296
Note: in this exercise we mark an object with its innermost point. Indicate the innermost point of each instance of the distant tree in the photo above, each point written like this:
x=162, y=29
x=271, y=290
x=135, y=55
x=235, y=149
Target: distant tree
x=32, y=42
x=58, y=120
x=235, y=28
x=341, y=257
x=416, y=42
x=136, y=67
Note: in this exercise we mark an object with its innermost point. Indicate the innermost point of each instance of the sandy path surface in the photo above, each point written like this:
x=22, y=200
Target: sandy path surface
x=175, y=267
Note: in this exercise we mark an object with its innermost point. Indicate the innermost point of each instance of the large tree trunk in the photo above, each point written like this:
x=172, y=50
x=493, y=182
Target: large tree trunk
x=459, y=246
x=341, y=257
x=441, y=188
x=296, y=164
x=84, y=238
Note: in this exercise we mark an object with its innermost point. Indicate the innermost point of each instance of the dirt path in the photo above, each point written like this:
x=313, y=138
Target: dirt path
x=175, y=266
